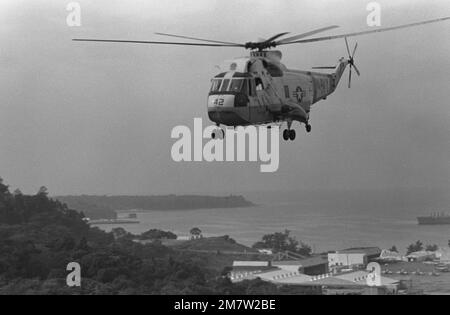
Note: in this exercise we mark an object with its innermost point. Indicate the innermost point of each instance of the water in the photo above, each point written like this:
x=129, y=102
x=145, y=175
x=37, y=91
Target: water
x=324, y=220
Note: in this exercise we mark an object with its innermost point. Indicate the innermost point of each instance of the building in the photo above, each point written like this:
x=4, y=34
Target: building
x=353, y=257
x=389, y=256
x=292, y=273
x=443, y=254
x=266, y=270
x=355, y=283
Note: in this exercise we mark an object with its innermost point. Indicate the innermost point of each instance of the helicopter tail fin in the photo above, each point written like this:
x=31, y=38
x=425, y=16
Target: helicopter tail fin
x=339, y=71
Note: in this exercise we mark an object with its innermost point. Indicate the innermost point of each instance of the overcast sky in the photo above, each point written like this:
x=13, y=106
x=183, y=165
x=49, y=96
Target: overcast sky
x=96, y=118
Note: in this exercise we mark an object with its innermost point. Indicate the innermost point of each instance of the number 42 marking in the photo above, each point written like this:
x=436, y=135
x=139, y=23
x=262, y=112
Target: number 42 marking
x=219, y=102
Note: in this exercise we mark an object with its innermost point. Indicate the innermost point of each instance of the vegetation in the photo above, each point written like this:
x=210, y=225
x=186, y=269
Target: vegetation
x=157, y=235
x=40, y=236
x=432, y=248
x=417, y=247
x=215, y=244
x=394, y=249
x=280, y=242
x=103, y=207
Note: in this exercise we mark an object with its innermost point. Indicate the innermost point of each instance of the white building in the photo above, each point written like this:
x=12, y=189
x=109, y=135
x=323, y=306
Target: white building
x=443, y=254
x=387, y=255
x=353, y=257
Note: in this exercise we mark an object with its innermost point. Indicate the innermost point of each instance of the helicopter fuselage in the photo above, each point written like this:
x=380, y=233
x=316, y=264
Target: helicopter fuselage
x=260, y=90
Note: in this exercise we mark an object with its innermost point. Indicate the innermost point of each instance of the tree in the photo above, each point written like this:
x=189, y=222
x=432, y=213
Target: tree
x=155, y=234
x=43, y=191
x=432, y=248
x=417, y=247
x=3, y=187
x=394, y=249
x=196, y=233
x=119, y=232
x=279, y=242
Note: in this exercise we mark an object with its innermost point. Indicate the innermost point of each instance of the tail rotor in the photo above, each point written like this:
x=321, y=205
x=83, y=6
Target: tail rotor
x=351, y=62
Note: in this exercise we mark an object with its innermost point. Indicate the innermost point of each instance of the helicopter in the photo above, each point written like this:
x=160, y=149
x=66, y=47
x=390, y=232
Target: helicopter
x=260, y=90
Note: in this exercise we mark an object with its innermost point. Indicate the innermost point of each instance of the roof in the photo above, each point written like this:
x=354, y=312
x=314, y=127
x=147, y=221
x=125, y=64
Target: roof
x=351, y=279
x=303, y=263
x=284, y=277
x=252, y=268
x=250, y=263
x=335, y=282
x=361, y=250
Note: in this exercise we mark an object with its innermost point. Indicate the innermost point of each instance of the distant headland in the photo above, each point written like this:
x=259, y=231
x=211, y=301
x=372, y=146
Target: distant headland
x=105, y=207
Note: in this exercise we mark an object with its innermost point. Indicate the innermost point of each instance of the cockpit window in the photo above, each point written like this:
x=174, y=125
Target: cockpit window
x=216, y=83
x=245, y=87
x=225, y=84
x=236, y=85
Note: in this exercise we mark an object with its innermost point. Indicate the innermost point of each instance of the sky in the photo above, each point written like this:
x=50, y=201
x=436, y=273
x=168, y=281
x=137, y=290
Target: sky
x=97, y=118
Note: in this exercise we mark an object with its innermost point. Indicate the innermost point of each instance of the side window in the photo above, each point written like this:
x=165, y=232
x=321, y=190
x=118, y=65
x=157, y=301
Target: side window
x=286, y=91
x=225, y=85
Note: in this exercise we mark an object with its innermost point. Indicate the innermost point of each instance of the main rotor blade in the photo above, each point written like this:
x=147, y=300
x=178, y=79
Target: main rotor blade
x=350, y=78
x=198, y=39
x=150, y=42
x=275, y=37
x=354, y=50
x=318, y=39
x=348, y=47
x=357, y=70
x=324, y=68
x=300, y=36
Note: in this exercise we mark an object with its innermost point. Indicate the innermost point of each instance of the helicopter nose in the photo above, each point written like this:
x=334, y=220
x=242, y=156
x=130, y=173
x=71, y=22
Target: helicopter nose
x=221, y=101
x=222, y=110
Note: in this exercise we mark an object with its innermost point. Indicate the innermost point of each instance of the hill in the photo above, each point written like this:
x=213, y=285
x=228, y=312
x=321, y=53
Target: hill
x=40, y=236
x=104, y=207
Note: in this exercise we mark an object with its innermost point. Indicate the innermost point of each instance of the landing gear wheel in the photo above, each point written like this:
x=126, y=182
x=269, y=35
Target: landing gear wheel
x=218, y=134
x=308, y=128
x=292, y=135
x=286, y=135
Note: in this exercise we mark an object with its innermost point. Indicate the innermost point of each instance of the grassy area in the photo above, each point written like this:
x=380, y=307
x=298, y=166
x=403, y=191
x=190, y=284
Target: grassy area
x=222, y=244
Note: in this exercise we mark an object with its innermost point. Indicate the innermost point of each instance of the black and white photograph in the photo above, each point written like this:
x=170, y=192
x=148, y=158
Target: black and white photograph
x=224, y=155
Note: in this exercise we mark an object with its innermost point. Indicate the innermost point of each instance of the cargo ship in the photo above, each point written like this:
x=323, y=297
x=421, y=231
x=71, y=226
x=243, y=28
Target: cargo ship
x=435, y=219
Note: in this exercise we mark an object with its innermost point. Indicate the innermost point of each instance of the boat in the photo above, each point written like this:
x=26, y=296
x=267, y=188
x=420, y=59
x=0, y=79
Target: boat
x=435, y=219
